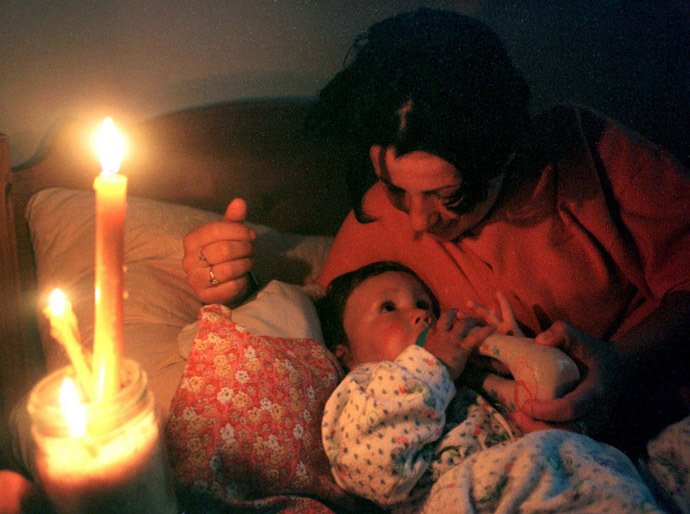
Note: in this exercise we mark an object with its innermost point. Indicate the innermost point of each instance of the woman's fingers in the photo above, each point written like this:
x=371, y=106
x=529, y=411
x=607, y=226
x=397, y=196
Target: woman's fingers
x=226, y=257
x=581, y=426
x=528, y=424
x=214, y=232
x=218, y=255
x=560, y=410
x=236, y=210
x=223, y=291
x=589, y=407
x=215, y=275
x=225, y=271
x=220, y=252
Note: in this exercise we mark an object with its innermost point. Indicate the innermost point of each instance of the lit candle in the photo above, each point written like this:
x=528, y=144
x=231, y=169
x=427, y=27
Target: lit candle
x=63, y=328
x=111, y=204
x=105, y=457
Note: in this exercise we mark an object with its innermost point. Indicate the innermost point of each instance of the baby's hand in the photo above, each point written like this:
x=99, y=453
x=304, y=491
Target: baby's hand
x=453, y=337
x=505, y=323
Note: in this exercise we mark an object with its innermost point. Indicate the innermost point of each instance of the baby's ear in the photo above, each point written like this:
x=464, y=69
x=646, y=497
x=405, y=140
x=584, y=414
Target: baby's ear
x=344, y=356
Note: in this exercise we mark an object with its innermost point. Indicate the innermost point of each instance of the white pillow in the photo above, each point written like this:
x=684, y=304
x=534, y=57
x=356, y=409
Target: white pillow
x=62, y=225
x=278, y=310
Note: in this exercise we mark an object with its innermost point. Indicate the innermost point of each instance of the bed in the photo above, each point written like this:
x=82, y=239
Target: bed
x=183, y=168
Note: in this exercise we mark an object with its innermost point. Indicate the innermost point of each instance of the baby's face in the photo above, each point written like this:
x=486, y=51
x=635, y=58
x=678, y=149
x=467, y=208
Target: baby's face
x=384, y=315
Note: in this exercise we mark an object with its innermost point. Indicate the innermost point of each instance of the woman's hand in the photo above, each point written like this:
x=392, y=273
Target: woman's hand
x=218, y=255
x=589, y=408
x=453, y=337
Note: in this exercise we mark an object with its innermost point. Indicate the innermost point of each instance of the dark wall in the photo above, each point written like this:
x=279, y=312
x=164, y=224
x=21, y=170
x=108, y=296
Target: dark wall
x=630, y=60
x=134, y=60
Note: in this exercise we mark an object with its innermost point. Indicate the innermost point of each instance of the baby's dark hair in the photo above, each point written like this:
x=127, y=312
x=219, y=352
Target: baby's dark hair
x=332, y=306
x=429, y=80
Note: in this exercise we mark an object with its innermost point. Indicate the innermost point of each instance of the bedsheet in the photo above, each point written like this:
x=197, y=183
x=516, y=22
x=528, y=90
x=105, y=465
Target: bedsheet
x=667, y=466
x=545, y=471
x=666, y=471
x=401, y=435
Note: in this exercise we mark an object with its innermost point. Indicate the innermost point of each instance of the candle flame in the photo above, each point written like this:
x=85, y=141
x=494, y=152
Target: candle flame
x=72, y=409
x=110, y=146
x=58, y=302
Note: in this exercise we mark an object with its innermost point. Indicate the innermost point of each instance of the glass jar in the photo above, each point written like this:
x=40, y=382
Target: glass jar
x=118, y=464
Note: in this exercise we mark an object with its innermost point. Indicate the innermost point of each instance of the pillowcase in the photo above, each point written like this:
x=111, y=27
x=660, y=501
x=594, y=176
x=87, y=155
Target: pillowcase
x=277, y=310
x=245, y=422
x=62, y=226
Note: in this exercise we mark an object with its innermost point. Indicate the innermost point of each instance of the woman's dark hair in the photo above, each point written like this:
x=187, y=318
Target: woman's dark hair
x=430, y=80
x=332, y=306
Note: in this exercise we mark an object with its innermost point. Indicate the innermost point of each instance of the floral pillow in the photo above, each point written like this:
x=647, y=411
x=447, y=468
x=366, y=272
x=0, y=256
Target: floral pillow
x=245, y=422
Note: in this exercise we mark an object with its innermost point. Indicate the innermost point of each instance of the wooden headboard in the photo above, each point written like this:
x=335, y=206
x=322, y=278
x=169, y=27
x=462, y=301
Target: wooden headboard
x=200, y=157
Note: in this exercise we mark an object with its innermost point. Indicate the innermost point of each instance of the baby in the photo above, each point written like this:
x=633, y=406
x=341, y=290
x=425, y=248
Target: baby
x=377, y=311
x=397, y=432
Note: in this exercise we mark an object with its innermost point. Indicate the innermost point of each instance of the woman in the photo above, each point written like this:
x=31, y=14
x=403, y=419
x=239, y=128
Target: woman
x=584, y=226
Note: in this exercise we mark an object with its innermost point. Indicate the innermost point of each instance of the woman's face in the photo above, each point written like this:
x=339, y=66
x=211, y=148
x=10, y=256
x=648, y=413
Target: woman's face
x=424, y=186
x=384, y=315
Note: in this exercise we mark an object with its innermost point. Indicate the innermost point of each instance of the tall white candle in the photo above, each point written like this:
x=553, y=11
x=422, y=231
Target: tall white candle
x=111, y=204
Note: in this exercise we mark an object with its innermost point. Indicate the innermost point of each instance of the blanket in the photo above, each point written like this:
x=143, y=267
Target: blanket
x=546, y=471
x=542, y=471
x=400, y=434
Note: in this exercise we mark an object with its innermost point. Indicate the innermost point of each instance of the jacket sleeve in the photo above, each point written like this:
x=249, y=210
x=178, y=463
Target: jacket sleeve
x=651, y=199
x=381, y=424
x=652, y=190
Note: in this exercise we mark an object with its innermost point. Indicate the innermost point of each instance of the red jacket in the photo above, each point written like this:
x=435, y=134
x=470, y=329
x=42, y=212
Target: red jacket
x=596, y=239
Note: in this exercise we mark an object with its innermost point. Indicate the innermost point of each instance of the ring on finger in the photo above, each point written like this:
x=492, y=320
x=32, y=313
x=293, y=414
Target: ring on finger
x=212, y=277
x=202, y=257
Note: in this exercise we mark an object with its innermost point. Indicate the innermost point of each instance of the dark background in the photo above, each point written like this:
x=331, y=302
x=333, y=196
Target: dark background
x=133, y=60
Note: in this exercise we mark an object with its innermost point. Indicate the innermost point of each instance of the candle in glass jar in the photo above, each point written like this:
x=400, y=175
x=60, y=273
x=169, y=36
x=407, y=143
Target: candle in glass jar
x=105, y=457
x=111, y=203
